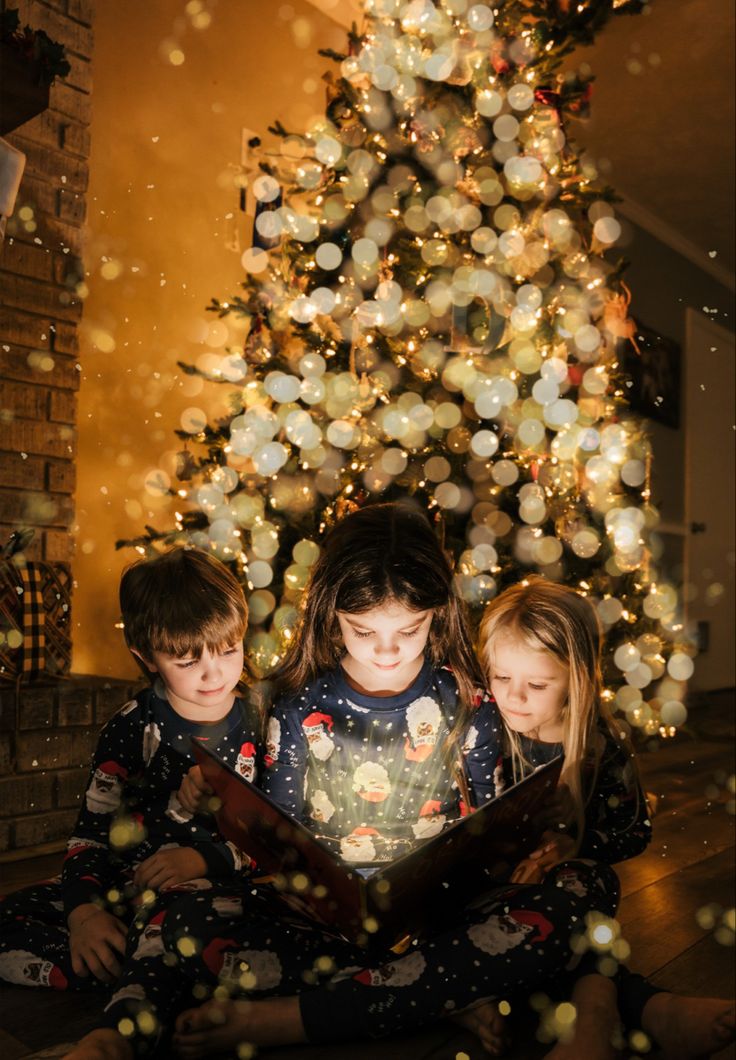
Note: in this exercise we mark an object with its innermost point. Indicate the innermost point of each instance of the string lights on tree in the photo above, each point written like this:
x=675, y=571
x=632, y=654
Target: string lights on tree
x=431, y=309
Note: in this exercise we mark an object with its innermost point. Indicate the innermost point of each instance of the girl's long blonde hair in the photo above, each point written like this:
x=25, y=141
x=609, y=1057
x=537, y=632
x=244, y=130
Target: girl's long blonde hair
x=554, y=618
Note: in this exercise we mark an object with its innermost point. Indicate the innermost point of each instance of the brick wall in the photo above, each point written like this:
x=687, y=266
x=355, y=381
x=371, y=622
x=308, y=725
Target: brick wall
x=40, y=273
x=48, y=732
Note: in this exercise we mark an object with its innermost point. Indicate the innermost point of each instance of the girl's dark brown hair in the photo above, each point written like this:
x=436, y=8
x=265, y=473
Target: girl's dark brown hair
x=181, y=602
x=380, y=553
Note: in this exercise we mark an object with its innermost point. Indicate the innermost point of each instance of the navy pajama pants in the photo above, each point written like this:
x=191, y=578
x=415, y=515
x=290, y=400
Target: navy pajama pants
x=34, y=940
x=242, y=937
x=514, y=939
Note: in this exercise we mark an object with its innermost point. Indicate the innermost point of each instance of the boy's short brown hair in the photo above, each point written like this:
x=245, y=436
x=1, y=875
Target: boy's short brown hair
x=181, y=602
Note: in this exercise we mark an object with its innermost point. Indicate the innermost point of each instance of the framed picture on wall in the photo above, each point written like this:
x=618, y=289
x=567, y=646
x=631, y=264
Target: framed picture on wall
x=655, y=376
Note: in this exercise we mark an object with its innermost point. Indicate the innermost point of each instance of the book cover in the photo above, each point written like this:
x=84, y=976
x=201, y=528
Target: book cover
x=384, y=902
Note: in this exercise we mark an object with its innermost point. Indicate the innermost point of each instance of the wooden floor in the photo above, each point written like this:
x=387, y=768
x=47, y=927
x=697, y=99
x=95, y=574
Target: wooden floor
x=686, y=875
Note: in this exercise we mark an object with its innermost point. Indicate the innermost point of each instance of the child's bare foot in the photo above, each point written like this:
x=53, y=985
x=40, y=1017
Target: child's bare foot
x=221, y=1026
x=689, y=1027
x=102, y=1044
x=486, y=1023
x=596, y=1022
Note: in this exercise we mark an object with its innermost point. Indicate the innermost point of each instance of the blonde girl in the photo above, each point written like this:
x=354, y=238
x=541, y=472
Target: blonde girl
x=540, y=648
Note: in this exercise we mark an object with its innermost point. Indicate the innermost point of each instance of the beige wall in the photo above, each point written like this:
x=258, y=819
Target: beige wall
x=710, y=472
x=692, y=480
x=164, y=141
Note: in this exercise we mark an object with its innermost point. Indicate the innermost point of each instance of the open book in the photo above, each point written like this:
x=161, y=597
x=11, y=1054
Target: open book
x=386, y=901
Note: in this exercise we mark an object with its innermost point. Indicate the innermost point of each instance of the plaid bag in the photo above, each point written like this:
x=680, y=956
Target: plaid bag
x=35, y=619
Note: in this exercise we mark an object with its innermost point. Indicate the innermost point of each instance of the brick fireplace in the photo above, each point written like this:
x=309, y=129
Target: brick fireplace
x=48, y=731
x=48, y=728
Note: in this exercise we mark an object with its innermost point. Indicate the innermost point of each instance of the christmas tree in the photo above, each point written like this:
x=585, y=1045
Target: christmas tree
x=431, y=310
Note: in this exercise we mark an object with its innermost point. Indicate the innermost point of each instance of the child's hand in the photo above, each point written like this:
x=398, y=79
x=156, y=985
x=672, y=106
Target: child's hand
x=556, y=847
x=167, y=868
x=96, y=937
x=194, y=791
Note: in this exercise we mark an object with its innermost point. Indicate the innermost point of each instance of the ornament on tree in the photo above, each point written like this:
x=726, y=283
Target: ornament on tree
x=616, y=317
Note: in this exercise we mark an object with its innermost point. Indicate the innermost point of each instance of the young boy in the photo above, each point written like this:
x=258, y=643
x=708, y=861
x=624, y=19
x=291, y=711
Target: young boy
x=135, y=848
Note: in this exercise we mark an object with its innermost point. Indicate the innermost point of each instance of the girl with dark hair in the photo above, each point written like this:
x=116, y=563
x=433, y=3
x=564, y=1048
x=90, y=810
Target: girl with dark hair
x=381, y=555
x=380, y=737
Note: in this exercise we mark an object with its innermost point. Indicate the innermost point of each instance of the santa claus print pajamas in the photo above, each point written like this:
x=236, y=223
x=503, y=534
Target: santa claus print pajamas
x=141, y=758
x=368, y=775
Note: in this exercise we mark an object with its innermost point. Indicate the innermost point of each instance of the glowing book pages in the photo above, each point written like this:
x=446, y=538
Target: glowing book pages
x=384, y=901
